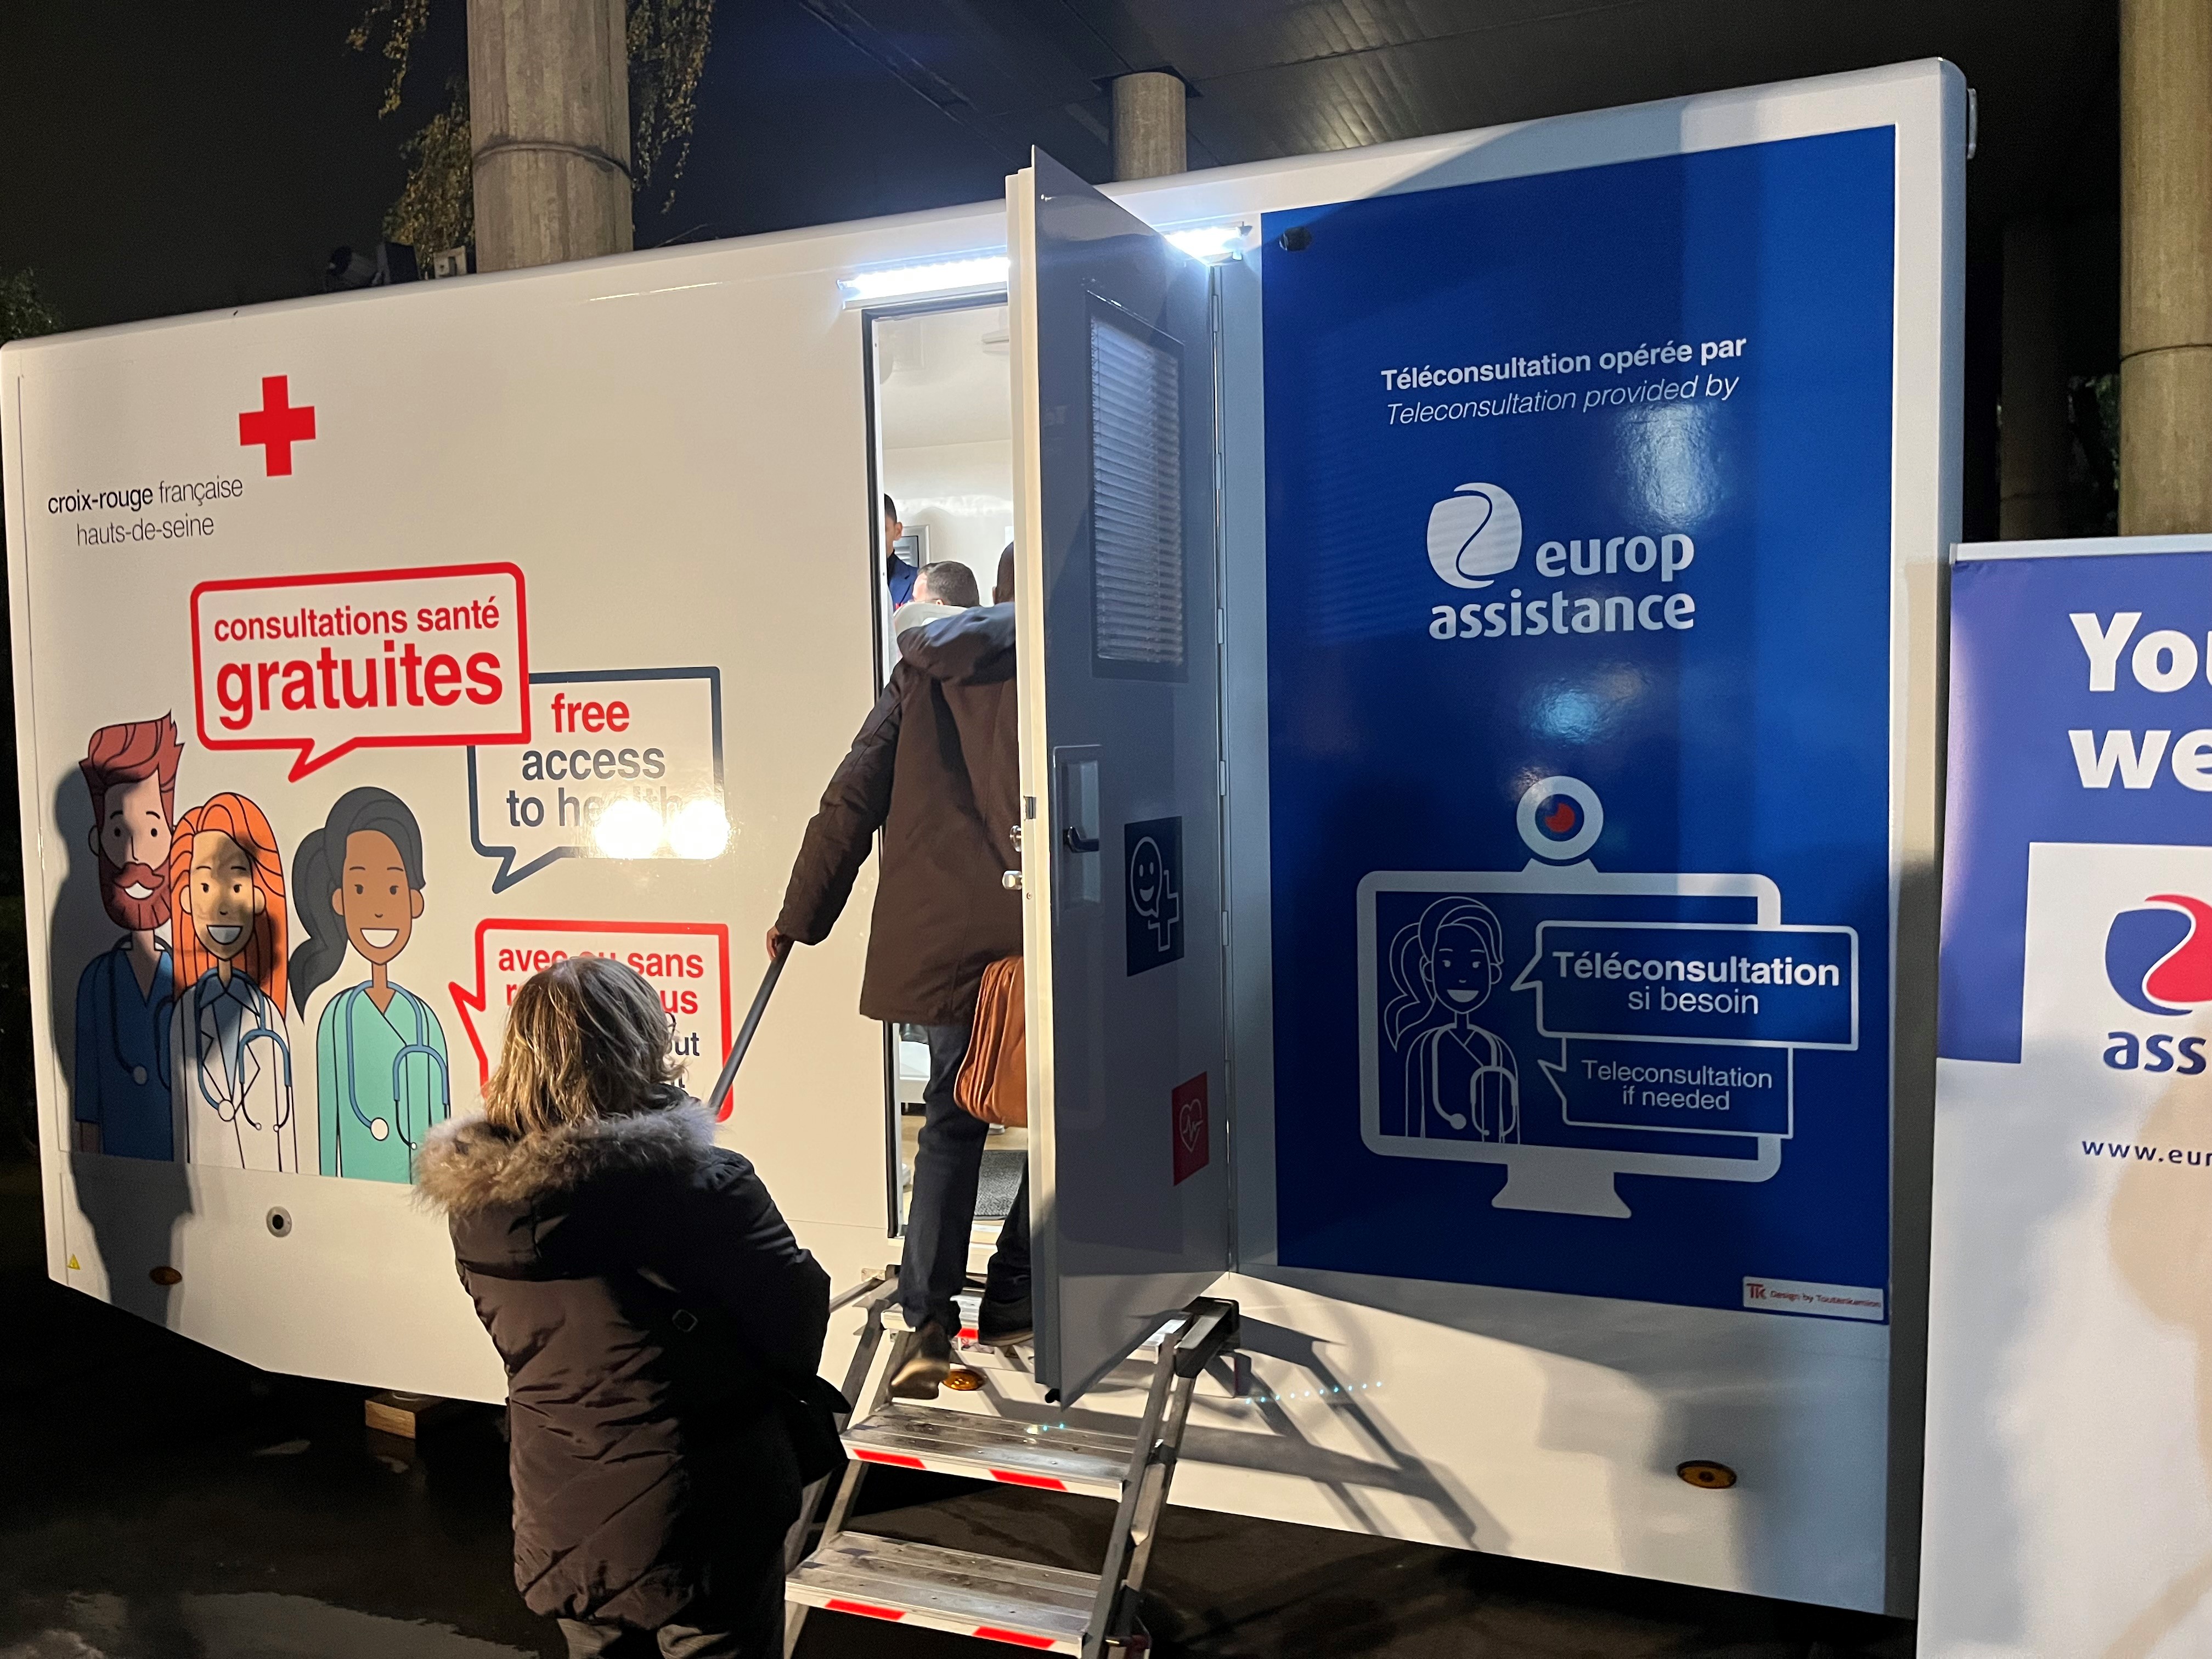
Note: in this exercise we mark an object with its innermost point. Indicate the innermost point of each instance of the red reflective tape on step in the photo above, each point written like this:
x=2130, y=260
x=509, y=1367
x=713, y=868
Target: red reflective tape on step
x=1014, y=1479
x=868, y=1456
x=865, y=1609
x=968, y=1332
x=1020, y=1638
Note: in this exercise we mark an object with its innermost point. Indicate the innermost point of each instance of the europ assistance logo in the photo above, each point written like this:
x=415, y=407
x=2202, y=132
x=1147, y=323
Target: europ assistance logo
x=1474, y=535
x=2157, y=959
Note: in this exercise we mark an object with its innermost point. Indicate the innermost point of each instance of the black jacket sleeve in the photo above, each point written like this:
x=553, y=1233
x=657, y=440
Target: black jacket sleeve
x=724, y=1244
x=843, y=828
x=977, y=645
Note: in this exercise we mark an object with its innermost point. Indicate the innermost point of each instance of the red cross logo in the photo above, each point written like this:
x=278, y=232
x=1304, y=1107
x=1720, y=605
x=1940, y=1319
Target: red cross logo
x=277, y=426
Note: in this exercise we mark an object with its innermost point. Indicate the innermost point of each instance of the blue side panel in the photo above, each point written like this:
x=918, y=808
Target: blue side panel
x=1500, y=556
x=2021, y=684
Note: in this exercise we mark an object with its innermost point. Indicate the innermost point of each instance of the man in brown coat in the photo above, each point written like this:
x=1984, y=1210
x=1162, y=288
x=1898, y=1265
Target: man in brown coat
x=935, y=771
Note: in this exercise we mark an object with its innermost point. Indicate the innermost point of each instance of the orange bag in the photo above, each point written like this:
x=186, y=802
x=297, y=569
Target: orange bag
x=993, y=1083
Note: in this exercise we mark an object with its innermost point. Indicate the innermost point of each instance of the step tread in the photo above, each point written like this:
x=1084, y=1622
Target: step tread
x=956, y=1442
x=1044, y=1608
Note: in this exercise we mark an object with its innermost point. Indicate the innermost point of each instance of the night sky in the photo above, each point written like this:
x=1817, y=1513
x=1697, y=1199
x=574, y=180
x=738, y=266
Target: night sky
x=170, y=158
x=163, y=159
x=166, y=158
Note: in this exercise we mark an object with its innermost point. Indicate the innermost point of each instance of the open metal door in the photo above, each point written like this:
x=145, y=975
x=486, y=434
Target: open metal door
x=1116, y=594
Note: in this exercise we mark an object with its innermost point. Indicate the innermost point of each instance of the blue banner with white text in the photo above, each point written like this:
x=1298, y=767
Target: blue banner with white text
x=1579, y=555
x=2099, y=668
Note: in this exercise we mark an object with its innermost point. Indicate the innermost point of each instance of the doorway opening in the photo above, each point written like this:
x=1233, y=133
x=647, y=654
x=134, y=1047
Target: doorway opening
x=941, y=419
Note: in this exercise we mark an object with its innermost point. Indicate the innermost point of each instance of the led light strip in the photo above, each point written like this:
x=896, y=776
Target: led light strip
x=977, y=274
x=1212, y=243
x=985, y=273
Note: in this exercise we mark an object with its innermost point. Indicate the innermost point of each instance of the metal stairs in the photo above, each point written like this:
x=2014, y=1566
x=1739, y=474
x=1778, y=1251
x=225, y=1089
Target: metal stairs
x=1021, y=1603
x=1052, y=1459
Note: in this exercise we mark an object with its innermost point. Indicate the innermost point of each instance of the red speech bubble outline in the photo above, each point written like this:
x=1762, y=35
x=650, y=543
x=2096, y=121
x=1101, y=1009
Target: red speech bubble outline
x=306, y=759
x=465, y=999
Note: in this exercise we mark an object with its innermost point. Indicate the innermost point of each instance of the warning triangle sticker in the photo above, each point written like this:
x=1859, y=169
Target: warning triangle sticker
x=73, y=1266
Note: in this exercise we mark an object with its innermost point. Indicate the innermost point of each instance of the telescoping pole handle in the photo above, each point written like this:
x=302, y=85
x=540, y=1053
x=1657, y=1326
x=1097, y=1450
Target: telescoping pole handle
x=717, y=1103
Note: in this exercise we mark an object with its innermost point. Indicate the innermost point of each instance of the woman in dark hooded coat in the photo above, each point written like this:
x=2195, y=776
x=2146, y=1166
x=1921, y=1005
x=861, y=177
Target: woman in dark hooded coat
x=655, y=1315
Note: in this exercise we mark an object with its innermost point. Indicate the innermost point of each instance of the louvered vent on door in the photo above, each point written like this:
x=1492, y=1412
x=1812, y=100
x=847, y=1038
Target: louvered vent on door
x=1136, y=502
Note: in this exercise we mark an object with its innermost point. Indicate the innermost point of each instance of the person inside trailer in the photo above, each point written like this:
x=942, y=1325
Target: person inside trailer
x=943, y=583
x=898, y=574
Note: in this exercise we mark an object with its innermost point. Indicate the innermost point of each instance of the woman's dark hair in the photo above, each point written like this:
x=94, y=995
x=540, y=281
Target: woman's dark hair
x=319, y=869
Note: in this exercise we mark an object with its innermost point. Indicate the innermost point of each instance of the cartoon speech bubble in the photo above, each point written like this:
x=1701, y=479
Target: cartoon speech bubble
x=1758, y=985
x=687, y=961
x=623, y=763
x=364, y=660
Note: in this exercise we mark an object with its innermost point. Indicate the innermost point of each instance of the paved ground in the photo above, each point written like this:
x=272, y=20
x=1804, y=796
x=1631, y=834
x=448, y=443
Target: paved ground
x=160, y=1502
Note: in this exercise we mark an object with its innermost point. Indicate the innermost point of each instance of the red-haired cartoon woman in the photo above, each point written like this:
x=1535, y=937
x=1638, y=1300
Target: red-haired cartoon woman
x=230, y=1063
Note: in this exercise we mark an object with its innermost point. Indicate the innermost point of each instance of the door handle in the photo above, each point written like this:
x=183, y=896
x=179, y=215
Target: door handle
x=1080, y=828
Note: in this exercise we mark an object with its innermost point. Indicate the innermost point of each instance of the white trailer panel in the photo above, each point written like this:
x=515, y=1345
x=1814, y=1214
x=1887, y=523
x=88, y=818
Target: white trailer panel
x=674, y=450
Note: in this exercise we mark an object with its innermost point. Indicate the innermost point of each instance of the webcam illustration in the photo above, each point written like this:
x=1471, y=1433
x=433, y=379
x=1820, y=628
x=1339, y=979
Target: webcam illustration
x=1575, y=1025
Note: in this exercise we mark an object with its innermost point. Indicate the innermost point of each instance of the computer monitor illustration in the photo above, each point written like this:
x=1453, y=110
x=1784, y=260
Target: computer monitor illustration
x=1461, y=1060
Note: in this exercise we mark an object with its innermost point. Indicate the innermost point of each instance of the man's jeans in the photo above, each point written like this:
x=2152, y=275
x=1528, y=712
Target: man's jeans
x=942, y=1211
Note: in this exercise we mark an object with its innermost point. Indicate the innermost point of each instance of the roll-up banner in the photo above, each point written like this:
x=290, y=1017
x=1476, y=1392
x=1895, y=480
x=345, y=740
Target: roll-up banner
x=2068, y=1506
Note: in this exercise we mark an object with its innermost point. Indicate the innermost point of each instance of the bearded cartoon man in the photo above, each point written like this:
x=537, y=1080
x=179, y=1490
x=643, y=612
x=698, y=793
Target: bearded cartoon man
x=124, y=999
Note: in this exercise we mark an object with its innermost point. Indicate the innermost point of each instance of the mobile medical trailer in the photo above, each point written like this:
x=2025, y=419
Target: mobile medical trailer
x=1478, y=653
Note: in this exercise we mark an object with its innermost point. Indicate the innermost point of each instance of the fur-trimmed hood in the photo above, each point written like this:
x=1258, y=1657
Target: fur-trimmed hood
x=467, y=1166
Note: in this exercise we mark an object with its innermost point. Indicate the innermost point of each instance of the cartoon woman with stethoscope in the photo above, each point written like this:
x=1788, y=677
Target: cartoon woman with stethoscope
x=230, y=1064
x=381, y=1078
x=1461, y=1081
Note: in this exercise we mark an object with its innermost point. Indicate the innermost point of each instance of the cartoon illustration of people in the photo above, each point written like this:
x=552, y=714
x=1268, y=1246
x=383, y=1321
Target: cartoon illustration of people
x=1461, y=1081
x=124, y=996
x=231, y=1063
x=381, y=1078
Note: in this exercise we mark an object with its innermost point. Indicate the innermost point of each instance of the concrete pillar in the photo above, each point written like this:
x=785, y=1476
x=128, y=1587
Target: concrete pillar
x=1148, y=130
x=2033, y=451
x=2165, y=267
x=548, y=111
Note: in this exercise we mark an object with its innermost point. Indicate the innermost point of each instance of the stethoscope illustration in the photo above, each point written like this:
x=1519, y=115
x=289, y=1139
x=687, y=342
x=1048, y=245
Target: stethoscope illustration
x=246, y=1041
x=115, y=1027
x=1508, y=1113
x=378, y=1127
